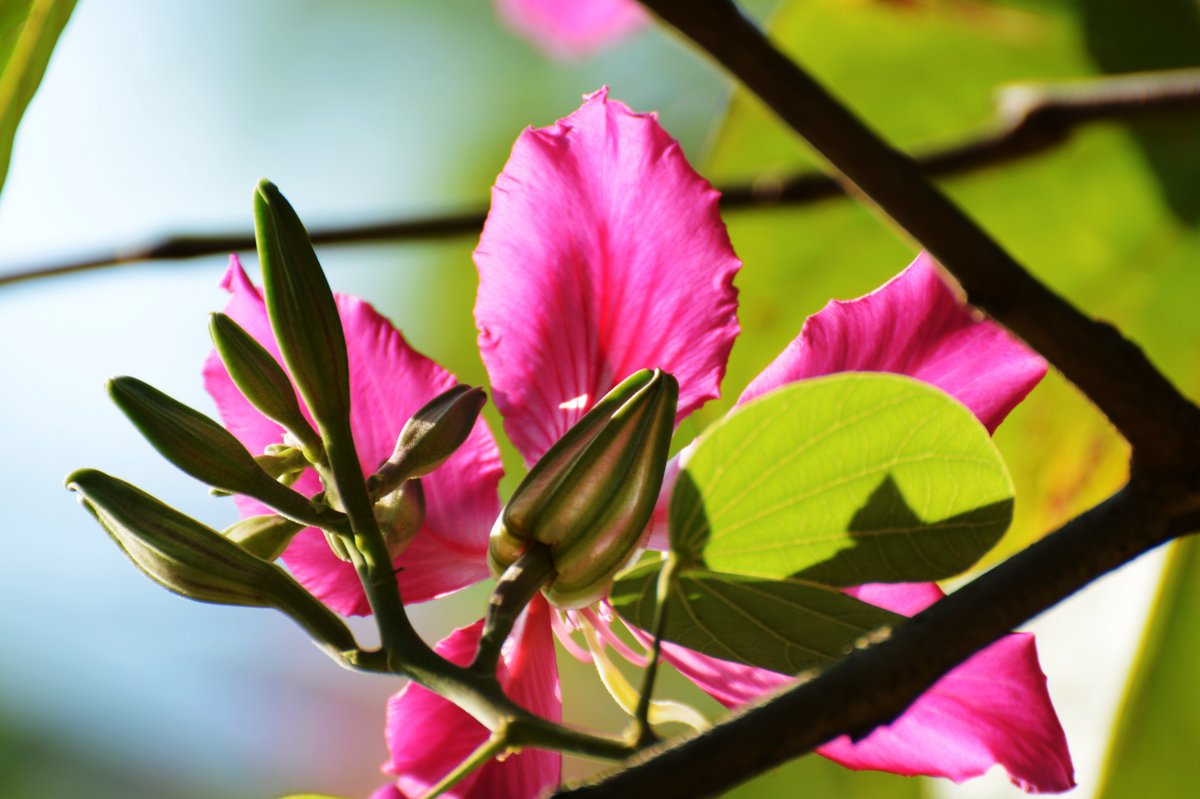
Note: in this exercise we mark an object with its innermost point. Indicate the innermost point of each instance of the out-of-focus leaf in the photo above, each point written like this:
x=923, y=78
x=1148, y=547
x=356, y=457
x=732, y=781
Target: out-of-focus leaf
x=1153, y=751
x=787, y=626
x=1091, y=218
x=846, y=479
x=29, y=30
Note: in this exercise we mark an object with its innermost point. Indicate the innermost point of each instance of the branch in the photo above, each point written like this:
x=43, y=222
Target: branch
x=873, y=686
x=1030, y=120
x=1108, y=368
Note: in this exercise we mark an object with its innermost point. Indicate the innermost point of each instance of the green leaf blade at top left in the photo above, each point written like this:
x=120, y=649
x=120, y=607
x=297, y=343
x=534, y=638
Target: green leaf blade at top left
x=29, y=29
x=844, y=480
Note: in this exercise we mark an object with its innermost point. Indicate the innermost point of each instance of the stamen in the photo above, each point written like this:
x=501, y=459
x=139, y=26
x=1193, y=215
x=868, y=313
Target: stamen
x=602, y=622
x=564, y=631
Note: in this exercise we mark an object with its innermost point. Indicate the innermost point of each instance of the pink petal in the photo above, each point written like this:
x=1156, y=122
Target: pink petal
x=428, y=735
x=577, y=28
x=993, y=709
x=388, y=382
x=913, y=325
x=604, y=253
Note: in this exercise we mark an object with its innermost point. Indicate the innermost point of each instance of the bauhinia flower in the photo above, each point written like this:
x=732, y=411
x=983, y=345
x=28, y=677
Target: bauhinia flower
x=604, y=254
x=574, y=28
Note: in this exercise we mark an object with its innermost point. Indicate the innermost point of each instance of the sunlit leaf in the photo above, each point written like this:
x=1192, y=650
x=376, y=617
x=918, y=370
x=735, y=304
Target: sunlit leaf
x=1093, y=215
x=29, y=30
x=846, y=479
x=786, y=626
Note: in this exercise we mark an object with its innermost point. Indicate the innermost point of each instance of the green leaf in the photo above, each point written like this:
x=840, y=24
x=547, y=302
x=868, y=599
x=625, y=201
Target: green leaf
x=787, y=625
x=202, y=448
x=1085, y=217
x=1153, y=751
x=29, y=30
x=847, y=479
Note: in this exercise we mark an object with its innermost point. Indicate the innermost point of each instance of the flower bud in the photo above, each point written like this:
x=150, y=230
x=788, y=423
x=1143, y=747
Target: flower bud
x=400, y=515
x=195, y=561
x=201, y=447
x=303, y=313
x=431, y=436
x=263, y=536
x=590, y=496
x=261, y=379
x=286, y=464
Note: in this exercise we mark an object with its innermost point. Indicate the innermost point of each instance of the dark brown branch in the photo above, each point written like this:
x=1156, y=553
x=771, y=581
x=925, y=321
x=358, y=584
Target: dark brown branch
x=1030, y=120
x=1107, y=367
x=875, y=685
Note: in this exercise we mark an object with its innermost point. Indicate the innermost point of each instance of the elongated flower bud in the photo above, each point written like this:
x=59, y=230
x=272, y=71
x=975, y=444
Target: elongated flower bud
x=195, y=561
x=431, y=436
x=201, y=447
x=261, y=379
x=590, y=496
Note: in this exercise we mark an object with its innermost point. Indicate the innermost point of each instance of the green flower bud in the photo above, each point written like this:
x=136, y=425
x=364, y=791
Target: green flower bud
x=261, y=380
x=431, y=436
x=195, y=561
x=400, y=515
x=590, y=496
x=302, y=310
x=282, y=462
x=263, y=536
x=201, y=447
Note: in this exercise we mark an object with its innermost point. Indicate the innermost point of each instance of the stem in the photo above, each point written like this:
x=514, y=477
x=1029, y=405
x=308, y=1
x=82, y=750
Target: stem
x=666, y=583
x=493, y=746
x=515, y=589
x=1030, y=120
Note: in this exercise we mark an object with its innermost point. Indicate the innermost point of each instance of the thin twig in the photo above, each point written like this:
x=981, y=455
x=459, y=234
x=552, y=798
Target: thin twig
x=1030, y=120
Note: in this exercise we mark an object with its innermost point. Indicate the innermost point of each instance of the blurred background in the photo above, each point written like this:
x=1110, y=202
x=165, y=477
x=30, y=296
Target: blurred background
x=160, y=117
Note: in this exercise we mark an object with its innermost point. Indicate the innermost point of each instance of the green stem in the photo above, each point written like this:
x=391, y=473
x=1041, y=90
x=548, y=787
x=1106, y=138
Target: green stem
x=515, y=589
x=644, y=735
x=493, y=746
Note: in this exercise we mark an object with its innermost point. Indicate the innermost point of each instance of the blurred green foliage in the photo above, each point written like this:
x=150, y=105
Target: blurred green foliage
x=29, y=30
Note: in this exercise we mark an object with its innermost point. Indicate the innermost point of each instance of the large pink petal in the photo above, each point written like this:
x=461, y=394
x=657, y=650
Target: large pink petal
x=993, y=709
x=604, y=253
x=388, y=382
x=576, y=28
x=428, y=735
x=913, y=325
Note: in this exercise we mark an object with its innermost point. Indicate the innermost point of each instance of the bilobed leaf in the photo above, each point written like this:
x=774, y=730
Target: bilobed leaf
x=785, y=625
x=847, y=479
x=29, y=30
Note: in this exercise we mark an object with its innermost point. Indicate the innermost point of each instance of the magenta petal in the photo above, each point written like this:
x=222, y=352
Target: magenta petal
x=388, y=382
x=604, y=253
x=576, y=28
x=428, y=736
x=992, y=710
x=913, y=325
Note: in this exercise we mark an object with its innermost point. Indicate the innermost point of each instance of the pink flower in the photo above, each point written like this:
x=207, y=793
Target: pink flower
x=573, y=28
x=604, y=253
